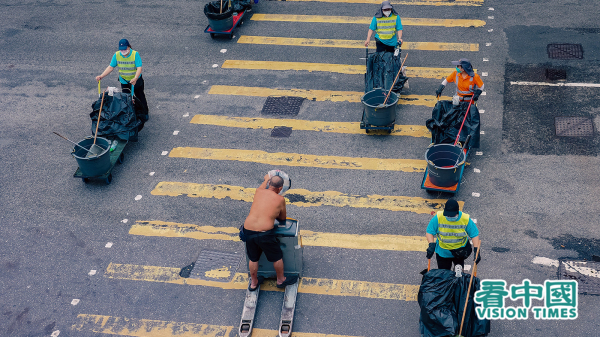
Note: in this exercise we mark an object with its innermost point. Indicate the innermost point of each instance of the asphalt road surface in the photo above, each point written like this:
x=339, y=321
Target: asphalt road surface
x=91, y=259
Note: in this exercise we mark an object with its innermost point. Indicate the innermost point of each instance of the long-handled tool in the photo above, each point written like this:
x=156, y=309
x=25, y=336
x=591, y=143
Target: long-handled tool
x=221, y=9
x=462, y=321
x=424, y=271
x=95, y=149
x=65, y=138
x=463, y=122
x=394, y=83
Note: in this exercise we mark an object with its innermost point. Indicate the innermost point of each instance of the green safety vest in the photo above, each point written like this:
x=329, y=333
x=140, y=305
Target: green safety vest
x=452, y=235
x=386, y=27
x=127, y=68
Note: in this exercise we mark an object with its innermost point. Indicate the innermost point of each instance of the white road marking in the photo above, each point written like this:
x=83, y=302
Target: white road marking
x=490, y=30
x=467, y=267
x=476, y=170
x=124, y=221
x=484, y=93
x=475, y=221
x=55, y=333
x=479, y=153
x=197, y=96
x=175, y=133
x=484, y=74
x=215, y=65
x=545, y=261
x=151, y=173
x=92, y=272
x=475, y=194
x=138, y=197
x=486, y=60
x=187, y=114
x=587, y=85
x=164, y=153
x=487, y=44
x=75, y=301
x=481, y=111
x=482, y=132
x=223, y=51
x=491, y=8
x=108, y=245
x=579, y=267
x=491, y=17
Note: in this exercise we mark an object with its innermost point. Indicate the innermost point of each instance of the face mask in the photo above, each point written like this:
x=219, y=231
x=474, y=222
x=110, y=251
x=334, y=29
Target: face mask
x=124, y=53
x=387, y=13
x=454, y=218
x=457, y=70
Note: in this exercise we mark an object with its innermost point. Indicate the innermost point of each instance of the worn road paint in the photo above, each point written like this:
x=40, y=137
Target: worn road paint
x=406, y=2
x=357, y=44
x=474, y=220
x=92, y=272
x=124, y=220
x=138, y=197
x=302, y=160
x=164, y=153
x=581, y=268
x=478, y=153
x=482, y=132
x=122, y=326
x=421, y=72
x=545, y=261
x=223, y=51
x=486, y=60
x=317, y=95
x=487, y=44
x=187, y=114
x=197, y=96
x=308, y=285
x=309, y=238
x=303, y=198
x=491, y=9
x=490, y=30
x=587, y=85
x=491, y=17
x=108, y=245
x=215, y=65
x=175, y=133
x=304, y=125
x=483, y=93
x=476, y=170
x=475, y=194
x=56, y=333
x=484, y=74
x=481, y=111
x=151, y=173
x=366, y=20
x=75, y=301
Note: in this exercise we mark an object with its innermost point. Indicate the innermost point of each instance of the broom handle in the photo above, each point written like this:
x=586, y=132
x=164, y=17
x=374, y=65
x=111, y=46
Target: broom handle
x=463, y=122
x=221, y=9
x=428, y=264
x=462, y=321
x=399, y=71
x=98, y=122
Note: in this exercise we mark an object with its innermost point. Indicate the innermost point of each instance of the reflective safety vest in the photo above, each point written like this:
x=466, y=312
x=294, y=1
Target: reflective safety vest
x=386, y=26
x=452, y=235
x=127, y=68
x=461, y=92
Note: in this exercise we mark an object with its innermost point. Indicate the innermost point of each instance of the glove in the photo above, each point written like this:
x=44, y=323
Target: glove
x=478, y=257
x=430, y=250
x=476, y=94
x=438, y=92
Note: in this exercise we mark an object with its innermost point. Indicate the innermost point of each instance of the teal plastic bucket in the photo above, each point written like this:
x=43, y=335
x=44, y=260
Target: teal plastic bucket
x=93, y=166
x=444, y=164
x=376, y=116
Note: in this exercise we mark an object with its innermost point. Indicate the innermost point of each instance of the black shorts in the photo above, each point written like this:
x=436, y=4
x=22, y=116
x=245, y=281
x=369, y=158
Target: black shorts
x=384, y=47
x=446, y=262
x=259, y=242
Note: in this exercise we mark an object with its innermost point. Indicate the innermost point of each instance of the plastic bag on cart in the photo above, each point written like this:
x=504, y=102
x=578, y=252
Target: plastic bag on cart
x=473, y=326
x=212, y=10
x=118, y=118
x=382, y=69
x=446, y=119
x=436, y=298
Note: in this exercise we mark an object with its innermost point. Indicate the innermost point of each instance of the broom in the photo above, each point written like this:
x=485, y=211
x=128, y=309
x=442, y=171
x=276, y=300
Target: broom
x=462, y=321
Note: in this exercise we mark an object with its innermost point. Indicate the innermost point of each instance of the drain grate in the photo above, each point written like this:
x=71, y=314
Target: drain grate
x=284, y=105
x=574, y=126
x=281, y=132
x=556, y=74
x=215, y=266
x=586, y=273
x=565, y=51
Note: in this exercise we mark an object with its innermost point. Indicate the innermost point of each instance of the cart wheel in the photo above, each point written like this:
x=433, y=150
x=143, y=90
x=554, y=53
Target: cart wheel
x=212, y=35
x=85, y=180
x=367, y=130
x=231, y=36
x=108, y=179
x=121, y=158
x=388, y=132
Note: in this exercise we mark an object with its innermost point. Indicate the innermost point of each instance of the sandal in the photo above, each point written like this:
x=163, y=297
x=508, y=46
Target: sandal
x=260, y=281
x=288, y=281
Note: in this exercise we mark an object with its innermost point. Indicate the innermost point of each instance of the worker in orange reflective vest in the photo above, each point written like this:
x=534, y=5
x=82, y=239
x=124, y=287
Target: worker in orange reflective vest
x=468, y=84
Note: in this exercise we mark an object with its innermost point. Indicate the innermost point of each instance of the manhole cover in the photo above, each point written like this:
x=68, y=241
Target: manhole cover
x=556, y=74
x=285, y=105
x=215, y=266
x=565, y=51
x=281, y=132
x=574, y=126
x=586, y=273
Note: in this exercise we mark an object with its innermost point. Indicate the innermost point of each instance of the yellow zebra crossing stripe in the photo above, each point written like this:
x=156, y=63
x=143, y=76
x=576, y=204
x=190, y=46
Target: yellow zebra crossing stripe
x=308, y=285
x=366, y=20
x=302, y=160
x=407, y=2
x=333, y=43
x=303, y=198
x=125, y=326
x=421, y=72
x=309, y=238
x=303, y=125
x=317, y=95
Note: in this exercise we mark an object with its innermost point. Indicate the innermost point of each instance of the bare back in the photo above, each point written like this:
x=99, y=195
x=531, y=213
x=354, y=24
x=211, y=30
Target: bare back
x=266, y=207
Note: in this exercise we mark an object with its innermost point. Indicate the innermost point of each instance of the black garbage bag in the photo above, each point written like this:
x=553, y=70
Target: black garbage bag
x=473, y=326
x=446, y=120
x=212, y=10
x=382, y=69
x=118, y=118
x=436, y=299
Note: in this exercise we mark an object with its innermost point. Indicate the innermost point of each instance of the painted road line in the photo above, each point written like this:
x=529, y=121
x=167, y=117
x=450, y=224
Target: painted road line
x=309, y=238
x=421, y=72
x=366, y=20
x=407, y=2
x=581, y=267
x=359, y=44
x=124, y=326
x=303, y=125
x=303, y=198
x=308, y=285
x=584, y=85
x=317, y=95
x=302, y=160
x=545, y=261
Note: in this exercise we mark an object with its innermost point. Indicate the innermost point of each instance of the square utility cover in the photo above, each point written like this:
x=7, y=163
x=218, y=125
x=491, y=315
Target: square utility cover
x=565, y=51
x=574, y=126
x=284, y=105
x=586, y=273
x=216, y=266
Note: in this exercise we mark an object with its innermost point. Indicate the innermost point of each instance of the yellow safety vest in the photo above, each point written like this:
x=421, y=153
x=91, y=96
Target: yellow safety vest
x=127, y=68
x=386, y=27
x=452, y=235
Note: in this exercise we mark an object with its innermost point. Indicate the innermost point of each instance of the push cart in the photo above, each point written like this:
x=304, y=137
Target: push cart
x=116, y=156
x=445, y=168
x=237, y=21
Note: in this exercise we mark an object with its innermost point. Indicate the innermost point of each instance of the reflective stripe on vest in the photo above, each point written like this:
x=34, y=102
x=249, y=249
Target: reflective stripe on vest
x=452, y=235
x=386, y=27
x=461, y=92
x=127, y=68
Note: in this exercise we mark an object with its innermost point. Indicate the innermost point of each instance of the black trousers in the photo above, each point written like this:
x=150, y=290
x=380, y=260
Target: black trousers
x=138, y=91
x=383, y=47
x=446, y=262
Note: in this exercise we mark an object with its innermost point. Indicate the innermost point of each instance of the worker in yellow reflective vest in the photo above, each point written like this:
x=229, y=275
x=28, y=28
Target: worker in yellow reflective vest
x=453, y=229
x=130, y=71
x=387, y=27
